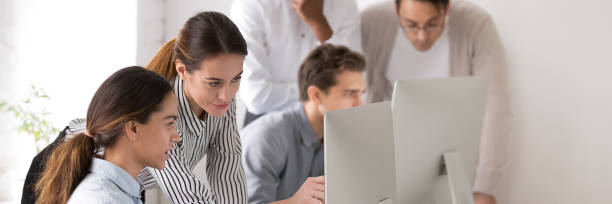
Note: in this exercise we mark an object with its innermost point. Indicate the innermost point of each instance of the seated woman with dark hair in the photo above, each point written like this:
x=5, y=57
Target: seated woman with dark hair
x=130, y=124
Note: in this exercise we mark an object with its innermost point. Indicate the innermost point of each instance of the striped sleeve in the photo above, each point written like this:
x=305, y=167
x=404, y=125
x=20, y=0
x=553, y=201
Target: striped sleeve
x=178, y=182
x=224, y=162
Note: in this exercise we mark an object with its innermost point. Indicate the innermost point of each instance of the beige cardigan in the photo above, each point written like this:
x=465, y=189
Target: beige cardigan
x=475, y=49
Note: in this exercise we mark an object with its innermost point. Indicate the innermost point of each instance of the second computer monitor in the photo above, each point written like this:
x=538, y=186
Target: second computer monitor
x=432, y=117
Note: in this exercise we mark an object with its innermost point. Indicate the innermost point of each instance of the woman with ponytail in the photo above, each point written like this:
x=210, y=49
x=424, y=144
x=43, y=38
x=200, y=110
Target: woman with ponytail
x=130, y=125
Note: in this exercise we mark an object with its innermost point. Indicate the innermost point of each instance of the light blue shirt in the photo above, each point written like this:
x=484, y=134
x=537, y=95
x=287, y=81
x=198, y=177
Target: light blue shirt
x=106, y=183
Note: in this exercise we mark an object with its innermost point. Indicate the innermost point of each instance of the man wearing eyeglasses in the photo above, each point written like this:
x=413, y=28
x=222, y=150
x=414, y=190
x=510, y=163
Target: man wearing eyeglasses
x=409, y=39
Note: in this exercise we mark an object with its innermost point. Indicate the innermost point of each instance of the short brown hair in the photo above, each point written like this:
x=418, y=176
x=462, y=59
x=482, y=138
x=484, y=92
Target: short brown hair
x=323, y=64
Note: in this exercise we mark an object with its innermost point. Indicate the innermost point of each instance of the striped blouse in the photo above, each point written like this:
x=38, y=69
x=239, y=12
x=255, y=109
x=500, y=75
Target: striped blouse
x=216, y=138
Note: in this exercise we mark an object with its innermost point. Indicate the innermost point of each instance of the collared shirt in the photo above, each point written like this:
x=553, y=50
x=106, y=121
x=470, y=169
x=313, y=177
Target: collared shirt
x=278, y=41
x=215, y=137
x=281, y=150
x=106, y=183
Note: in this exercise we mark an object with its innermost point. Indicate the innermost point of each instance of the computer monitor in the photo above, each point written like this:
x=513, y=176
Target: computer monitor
x=437, y=125
x=359, y=155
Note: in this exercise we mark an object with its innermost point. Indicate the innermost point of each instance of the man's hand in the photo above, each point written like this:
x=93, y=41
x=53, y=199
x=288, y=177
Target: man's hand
x=480, y=198
x=308, y=10
x=311, y=12
x=311, y=192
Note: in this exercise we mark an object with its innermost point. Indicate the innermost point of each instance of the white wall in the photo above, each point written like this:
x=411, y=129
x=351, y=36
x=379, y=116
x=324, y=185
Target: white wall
x=179, y=11
x=151, y=27
x=562, y=98
x=160, y=21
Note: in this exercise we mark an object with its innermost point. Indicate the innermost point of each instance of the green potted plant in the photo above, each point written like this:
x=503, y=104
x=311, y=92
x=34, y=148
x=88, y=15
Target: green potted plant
x=31, y=117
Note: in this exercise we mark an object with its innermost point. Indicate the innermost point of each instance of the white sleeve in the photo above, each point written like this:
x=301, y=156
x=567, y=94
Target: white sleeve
x=260, y=93
x=348, y=31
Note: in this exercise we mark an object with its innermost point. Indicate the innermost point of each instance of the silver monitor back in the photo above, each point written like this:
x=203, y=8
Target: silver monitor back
x=359, y=155
x=432, y=117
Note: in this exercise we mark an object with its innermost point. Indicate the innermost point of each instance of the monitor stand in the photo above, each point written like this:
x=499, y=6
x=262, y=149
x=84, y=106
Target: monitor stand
x=452, y=167
x=460, y=189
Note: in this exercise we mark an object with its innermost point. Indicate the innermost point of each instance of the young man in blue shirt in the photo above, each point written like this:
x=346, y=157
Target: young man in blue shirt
x=283, y=151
